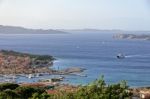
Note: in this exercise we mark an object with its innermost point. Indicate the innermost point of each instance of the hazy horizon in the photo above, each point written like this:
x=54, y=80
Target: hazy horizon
x=77, y=14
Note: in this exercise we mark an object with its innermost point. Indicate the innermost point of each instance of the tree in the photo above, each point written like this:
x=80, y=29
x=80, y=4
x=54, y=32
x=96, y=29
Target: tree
x=11, y=86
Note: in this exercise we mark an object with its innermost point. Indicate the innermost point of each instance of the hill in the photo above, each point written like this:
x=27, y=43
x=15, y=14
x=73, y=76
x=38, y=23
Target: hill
x=22, y=30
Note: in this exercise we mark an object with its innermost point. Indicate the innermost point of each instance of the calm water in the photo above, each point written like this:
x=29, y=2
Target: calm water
x=95, y=52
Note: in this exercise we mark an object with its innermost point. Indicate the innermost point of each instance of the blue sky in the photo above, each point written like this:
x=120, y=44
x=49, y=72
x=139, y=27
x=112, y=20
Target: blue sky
x=76, y=14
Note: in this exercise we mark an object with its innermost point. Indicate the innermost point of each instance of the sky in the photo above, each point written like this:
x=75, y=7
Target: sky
x=76, y=14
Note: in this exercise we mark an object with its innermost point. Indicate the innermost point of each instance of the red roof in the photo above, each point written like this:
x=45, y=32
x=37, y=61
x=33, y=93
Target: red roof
x=51, y=91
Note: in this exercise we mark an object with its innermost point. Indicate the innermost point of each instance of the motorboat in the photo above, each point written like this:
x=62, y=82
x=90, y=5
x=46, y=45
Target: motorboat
x=120, y=56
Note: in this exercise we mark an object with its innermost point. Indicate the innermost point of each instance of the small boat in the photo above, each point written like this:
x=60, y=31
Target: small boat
x=30, y=76
x=120, y=56
x=61, y=77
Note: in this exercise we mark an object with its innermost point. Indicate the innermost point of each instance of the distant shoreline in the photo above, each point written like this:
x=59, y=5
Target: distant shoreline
x=132, y=36
x=22, y=30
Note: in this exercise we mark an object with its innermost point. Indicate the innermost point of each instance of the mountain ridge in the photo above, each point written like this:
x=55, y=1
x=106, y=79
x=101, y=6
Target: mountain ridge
x=22, y=30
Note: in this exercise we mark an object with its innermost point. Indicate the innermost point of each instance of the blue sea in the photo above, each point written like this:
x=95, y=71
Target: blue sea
x=96, y=52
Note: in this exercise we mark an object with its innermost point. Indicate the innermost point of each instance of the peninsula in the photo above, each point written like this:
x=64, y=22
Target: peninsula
x=15, y=62
x=12, y=62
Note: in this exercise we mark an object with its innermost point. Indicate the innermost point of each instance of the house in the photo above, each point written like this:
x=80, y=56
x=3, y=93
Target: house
x=145, y=94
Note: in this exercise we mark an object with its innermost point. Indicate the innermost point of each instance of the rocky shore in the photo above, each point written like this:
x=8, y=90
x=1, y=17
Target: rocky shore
x=71, y=70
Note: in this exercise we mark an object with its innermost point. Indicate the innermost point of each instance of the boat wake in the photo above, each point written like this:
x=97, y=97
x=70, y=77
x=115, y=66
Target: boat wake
x=138, y=55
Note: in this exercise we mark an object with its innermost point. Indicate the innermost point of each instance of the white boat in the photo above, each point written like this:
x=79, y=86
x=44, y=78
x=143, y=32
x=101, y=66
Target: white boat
x=30, y=76
x=120, y=56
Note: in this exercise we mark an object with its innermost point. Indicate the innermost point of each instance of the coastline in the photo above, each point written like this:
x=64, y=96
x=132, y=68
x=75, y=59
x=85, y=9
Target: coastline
x=57, y=83
x=16, y=65
x=12, y=62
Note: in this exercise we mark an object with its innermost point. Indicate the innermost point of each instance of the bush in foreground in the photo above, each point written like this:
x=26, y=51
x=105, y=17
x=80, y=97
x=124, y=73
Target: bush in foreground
x=95, y=90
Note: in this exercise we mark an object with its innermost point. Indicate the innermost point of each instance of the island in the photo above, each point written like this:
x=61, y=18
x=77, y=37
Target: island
x=132, y=36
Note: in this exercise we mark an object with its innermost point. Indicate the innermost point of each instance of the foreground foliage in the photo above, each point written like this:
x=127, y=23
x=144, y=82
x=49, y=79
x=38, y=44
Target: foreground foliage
x=96, y=90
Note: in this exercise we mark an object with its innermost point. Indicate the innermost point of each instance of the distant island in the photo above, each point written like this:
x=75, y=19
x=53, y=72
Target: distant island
x=132, y=36
x=22, y=30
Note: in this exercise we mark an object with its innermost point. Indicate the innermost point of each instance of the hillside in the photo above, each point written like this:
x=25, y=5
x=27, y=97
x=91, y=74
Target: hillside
x=21, y=30
x=18, y=63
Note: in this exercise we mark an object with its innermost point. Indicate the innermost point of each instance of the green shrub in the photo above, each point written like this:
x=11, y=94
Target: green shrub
x=26, y=92
x=41, y=96
x=8, y=86
x=98, y=90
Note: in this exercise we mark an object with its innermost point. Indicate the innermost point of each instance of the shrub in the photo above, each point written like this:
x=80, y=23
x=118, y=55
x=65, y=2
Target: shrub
x=8, y=86
x=26, y=92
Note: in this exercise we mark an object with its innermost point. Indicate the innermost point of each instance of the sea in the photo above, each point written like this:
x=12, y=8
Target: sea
x=96, y=52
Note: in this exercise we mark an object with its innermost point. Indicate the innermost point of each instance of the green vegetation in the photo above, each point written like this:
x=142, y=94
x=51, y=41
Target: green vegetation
x=96, y=90
x=6, y=86
x=36, y=57
x=14, y=91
